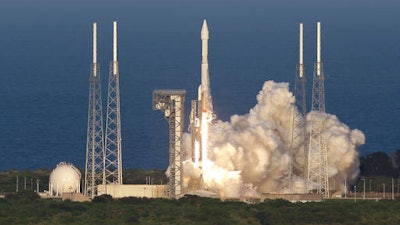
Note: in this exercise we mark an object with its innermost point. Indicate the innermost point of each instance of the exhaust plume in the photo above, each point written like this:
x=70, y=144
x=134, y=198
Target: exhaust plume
x=251, y=151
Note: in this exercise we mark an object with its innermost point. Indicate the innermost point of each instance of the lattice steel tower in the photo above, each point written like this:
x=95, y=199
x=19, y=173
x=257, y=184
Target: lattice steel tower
x=94, y=168
x=113, y=150
x=317, y=152
x=172, y=103
x=298, y=124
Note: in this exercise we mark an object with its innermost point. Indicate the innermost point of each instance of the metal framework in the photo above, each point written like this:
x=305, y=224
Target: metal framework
x=298, y=123
x=171, y=102
x=317, y=152
x=94, y=173
x=94, y=167
x=194, y=128
x=113, y=150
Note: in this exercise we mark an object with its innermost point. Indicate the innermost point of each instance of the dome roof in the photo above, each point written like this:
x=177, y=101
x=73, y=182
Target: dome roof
x=64, y=178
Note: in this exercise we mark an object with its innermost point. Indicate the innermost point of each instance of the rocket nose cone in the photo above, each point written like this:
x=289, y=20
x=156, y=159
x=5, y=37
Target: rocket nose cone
x=204, y=30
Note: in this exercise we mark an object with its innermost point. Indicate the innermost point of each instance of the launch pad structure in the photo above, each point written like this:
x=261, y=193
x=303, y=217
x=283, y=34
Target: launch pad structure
x=103, y=152
x=113, y=148
x=317, y=152
x=94, y=167
x=298, y=123
x=171, y=102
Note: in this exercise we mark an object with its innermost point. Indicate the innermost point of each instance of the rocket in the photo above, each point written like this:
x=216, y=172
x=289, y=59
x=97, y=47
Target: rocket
x=201, y=114
x=204, y=88
x=204, y=97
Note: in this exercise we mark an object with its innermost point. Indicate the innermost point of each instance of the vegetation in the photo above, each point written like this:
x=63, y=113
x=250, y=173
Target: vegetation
x=136, y=176
x=379, y=172
x=380, y=164
x=25, y=206
x=25, y=209
x=27, y=180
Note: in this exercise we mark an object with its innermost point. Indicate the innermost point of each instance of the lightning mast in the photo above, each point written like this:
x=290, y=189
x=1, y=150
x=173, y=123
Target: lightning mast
x=113, y=149
x=94, y=170
x=298, y=125
x=317, y=152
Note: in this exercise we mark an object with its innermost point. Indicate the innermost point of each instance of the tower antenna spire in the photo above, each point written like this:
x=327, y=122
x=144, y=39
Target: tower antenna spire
x=94, y=167
x=319, y=49
x=113, y=145
x=298, y=124
x=317, y=151
x=94, y=43
x=115, y=41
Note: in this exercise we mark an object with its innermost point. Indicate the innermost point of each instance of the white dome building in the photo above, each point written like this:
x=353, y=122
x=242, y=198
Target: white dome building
x=64, y=178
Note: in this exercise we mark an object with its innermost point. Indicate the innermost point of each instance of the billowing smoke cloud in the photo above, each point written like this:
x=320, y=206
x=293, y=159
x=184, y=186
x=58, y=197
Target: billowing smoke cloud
x=252, y=152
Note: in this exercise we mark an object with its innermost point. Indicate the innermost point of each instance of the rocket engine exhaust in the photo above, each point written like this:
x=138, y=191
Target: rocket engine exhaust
x=250, y=153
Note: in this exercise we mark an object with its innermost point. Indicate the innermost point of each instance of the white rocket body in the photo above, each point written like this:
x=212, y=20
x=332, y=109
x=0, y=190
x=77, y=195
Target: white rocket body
x=205, y=114
x=204, y=57
x=205, y=85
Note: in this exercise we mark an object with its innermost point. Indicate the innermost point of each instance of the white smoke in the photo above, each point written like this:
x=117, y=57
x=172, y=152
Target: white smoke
x=342, y=146
x=254, y=149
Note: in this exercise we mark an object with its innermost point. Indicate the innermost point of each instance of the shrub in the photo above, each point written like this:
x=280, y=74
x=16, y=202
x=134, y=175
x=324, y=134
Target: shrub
x=26, y=195
x=102, y=199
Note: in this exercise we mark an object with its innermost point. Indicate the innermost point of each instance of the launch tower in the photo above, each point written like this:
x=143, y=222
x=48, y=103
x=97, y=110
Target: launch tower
x=172, y=103
x=299, y=128
x=317, y=152
x=94, y=168
x=113, y=149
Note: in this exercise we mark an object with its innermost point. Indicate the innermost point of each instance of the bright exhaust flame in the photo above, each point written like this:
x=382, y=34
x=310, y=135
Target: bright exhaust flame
x=204, y=139
x=196, y=153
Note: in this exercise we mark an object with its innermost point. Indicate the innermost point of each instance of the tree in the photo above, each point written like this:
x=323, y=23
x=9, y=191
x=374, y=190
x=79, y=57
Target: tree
x=395, y=158
x=376, y=164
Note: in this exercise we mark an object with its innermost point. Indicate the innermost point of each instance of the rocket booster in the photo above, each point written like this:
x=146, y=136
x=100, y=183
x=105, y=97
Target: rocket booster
x=204, y=89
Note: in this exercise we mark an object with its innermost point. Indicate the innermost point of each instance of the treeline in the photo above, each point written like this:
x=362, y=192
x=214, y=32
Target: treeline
x=380, y=164
x=31, y=179
x=26, y=208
